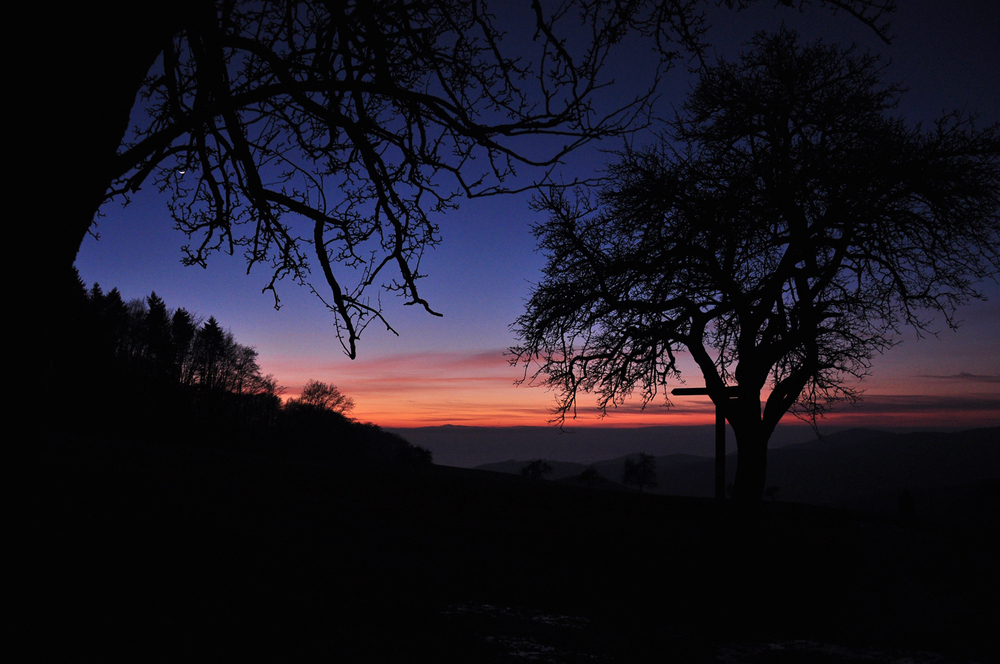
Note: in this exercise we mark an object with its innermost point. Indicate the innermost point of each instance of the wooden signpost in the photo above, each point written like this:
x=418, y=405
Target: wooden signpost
x=720, y=433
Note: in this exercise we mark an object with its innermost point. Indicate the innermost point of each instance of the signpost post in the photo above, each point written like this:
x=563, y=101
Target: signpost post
x=720, y=433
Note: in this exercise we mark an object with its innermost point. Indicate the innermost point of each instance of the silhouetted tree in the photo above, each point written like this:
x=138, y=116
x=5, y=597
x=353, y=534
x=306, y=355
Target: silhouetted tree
x=589, y=476
x=159, y=344
x=244, y=369
x=182, y=331
x=536, y=470
x=210, y=355
x=342, y=116
x=113, y=318
x=325, y=396
x=784, y=231
x=640, y=472
x=133, y=369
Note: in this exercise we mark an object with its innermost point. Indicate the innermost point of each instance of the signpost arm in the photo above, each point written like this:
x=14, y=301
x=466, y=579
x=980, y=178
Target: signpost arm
x=720, y=433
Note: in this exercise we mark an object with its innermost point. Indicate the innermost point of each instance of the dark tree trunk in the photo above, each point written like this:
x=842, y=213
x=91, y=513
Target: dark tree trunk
x=104, y=52
x=751, y=467
x=752, y=437
x=85, y=85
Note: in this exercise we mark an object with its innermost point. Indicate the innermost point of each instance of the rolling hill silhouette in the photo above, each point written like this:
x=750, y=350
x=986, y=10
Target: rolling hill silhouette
x=867, y=469
x=472, y=446
x=147, y=552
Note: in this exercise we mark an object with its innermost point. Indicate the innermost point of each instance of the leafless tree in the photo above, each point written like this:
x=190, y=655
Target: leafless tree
x=782, y=234
x=320, y=138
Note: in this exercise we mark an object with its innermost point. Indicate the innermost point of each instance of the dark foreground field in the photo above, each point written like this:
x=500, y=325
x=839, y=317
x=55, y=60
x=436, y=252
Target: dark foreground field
x=144, y=553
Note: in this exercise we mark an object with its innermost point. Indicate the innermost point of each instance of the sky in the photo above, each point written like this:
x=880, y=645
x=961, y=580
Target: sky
x=454, y=370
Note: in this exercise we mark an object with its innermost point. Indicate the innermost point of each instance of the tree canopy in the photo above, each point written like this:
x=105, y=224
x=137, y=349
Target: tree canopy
x=783, y=232
x=639, y=472
x=325, y=396
x=319, y=139
x=536, y=469
x=138, y=371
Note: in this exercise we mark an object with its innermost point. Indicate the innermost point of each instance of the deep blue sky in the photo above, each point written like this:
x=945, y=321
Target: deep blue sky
x=452, y=369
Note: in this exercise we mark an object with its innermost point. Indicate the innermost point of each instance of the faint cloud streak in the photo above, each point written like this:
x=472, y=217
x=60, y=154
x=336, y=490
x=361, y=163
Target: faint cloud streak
x=964, y=376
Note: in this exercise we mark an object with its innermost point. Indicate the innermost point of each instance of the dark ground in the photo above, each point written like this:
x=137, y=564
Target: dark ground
x=144, y=553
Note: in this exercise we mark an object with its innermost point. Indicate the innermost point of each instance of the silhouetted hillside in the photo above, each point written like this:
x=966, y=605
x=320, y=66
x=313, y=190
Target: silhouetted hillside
x=142, y=552
x=139, y=371
x=610, y=469
x=560, y=469
x=859, y=468
x=869, y=470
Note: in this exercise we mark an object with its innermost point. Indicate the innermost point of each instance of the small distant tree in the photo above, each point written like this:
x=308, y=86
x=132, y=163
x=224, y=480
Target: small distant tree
x=325, y=396
x=589, y=476
x=640, y=472
x=536, y=470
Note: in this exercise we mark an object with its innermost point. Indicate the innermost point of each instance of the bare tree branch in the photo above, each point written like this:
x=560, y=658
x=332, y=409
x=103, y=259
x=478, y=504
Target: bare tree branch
x=784, y=234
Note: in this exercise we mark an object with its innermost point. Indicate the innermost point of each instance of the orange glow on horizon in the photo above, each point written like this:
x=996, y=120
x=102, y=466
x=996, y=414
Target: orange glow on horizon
x=477, y=389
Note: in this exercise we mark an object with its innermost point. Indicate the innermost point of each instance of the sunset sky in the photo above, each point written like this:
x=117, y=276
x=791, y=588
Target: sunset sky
x=453, y=370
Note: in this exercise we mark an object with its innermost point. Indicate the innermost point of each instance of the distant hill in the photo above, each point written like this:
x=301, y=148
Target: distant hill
x=859, y=468
x=610, y=469
x=868, y=469
x=471, y=447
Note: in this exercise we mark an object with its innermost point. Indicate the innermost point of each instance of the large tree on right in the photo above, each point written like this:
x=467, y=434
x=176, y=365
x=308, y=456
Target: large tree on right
x=785, y=230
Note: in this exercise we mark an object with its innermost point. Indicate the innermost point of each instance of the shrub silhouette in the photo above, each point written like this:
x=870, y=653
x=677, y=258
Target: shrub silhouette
x=640, y=472
x=537, y=469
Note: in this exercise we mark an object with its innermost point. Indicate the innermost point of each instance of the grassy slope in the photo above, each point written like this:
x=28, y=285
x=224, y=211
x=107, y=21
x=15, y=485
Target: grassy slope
x=141, y=552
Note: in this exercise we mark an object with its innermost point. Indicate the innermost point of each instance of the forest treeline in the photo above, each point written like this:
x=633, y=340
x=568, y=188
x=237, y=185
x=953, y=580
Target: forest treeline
x=138, y=370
